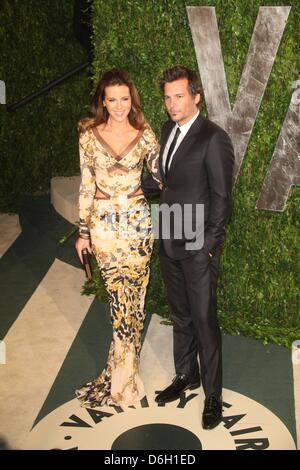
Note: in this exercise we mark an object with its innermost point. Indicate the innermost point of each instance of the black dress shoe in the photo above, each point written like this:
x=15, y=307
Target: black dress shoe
x=178, y=386
x=212, y=413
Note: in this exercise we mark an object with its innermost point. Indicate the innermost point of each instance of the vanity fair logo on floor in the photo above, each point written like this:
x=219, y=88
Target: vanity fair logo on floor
x=175, y=426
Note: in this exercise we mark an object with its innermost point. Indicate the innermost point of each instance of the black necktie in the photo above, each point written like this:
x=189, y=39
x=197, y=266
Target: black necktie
x=171, y=148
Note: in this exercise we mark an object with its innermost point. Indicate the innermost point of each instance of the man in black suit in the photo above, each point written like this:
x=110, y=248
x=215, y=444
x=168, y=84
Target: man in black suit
x=196, y=163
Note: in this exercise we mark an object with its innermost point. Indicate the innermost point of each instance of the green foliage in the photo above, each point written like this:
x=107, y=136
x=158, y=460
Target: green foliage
x=39, y=140
x=259, y=278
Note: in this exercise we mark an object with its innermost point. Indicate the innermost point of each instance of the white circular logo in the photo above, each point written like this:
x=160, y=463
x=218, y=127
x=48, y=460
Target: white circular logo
x=246, y=425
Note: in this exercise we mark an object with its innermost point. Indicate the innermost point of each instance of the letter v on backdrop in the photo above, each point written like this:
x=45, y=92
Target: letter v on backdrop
x=284, y=170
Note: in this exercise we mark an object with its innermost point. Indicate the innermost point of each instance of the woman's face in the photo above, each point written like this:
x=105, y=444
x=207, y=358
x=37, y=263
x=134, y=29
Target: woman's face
x=118, y=102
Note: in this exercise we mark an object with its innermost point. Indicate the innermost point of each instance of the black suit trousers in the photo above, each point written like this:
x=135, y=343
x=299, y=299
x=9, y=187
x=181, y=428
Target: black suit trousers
x=191, y=285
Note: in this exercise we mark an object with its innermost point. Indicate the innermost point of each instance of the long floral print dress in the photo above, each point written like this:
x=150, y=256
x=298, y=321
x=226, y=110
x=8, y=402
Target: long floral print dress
x=122, y=241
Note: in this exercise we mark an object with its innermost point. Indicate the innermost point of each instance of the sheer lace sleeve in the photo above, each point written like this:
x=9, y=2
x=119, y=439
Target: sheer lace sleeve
x=87, y=186
x=152, y=156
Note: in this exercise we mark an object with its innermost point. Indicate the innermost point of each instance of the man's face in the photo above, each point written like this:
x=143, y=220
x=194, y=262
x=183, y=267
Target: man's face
x=180, y=104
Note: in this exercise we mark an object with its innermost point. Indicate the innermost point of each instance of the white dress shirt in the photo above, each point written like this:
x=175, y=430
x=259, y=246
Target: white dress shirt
x=183, y=131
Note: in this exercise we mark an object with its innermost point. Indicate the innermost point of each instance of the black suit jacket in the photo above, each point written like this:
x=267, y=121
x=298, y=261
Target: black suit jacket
x=201, y=172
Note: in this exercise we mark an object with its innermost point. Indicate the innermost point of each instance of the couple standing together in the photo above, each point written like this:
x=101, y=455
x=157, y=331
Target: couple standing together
x=193, y=165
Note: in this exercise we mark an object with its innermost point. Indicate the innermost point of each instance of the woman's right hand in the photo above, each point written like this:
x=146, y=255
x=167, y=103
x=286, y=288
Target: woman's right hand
x=82, y=244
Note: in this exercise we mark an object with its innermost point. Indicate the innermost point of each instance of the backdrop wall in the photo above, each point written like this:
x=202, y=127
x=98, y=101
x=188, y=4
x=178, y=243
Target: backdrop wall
x=259, y=282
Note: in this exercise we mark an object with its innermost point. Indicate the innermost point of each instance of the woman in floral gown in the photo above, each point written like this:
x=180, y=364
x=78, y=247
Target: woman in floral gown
x=115, y=225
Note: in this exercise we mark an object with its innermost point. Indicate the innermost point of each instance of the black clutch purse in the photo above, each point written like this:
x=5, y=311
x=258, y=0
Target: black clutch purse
x=87, y=264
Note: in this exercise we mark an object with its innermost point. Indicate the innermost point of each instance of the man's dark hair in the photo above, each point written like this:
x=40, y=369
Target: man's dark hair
x=177, y=73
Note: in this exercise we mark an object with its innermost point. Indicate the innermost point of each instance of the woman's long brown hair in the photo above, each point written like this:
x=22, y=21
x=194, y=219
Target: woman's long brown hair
x=99, y=114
